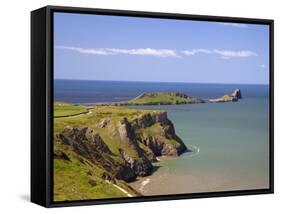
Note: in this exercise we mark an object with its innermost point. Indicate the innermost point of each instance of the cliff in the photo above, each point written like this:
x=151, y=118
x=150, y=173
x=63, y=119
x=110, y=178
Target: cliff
x=111, y=145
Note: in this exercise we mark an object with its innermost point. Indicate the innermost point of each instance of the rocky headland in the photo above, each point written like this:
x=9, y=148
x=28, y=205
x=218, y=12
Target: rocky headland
x=115, y=147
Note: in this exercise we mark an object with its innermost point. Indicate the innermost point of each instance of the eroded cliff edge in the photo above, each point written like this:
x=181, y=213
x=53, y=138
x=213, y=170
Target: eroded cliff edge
x=114, y=144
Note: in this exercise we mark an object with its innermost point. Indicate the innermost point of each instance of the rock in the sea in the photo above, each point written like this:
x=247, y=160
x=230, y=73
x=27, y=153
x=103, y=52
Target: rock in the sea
x=237, y=93
x=233, y=97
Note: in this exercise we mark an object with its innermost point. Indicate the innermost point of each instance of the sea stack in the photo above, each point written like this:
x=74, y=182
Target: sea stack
x=237, y=93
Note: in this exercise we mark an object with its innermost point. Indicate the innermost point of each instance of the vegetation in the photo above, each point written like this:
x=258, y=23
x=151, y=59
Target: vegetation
x=77, y=177
x=159, y=98
x=64, y=109
x=74, y=180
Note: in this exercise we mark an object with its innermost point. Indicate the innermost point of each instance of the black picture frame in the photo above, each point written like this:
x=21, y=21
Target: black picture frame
x=42, y=104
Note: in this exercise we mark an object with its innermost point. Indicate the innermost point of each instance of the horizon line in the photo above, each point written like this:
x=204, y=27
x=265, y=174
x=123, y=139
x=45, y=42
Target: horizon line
x=140, y=81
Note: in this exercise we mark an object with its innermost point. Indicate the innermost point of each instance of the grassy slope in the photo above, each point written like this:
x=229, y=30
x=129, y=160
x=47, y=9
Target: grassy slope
x=160, y=98
x=62, y=109
x=71, y=179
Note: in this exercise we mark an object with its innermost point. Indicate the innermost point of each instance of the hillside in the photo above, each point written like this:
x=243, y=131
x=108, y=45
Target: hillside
x=160, y=98
x=175, y=98
x=97, y=153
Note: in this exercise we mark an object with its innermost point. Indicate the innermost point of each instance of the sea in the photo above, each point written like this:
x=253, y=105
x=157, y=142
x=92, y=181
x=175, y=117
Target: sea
x=229, y=141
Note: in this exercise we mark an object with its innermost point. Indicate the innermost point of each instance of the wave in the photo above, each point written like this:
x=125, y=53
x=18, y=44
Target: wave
x=195, y=149
x=143, y=184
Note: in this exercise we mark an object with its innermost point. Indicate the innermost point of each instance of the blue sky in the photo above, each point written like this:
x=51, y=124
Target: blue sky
x=96, y=47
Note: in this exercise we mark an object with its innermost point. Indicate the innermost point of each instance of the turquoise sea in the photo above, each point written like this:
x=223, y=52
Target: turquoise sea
x=230, y=141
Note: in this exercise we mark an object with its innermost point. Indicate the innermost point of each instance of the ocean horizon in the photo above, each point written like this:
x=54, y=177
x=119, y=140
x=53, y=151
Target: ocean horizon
x=88, y=92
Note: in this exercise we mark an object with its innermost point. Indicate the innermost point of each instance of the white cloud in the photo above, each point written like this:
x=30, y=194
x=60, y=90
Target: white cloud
x=222, y=53
x=229, y=53
x=116, y=51
x=196, y=51
x=226, y=54
x=96, y=51
x=235, y=25
x=262, y=66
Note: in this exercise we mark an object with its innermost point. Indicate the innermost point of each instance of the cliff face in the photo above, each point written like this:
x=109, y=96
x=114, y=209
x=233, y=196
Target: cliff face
x=122, y=148
x=89, y=145
x=165, y=142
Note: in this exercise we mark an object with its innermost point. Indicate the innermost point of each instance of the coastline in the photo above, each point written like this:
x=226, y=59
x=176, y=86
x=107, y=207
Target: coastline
x=208, y=172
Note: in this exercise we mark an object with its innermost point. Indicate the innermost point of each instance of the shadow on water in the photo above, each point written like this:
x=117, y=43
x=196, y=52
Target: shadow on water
x=155, y=168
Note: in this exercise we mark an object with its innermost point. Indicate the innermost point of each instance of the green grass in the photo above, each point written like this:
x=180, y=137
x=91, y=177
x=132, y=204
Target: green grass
x=63, y=109
x=71, y=183
x=70, y=177
x=158, y=98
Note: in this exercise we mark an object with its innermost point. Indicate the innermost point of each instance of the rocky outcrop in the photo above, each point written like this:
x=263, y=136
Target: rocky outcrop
x=137, y=147
x=140, y=163
x=126, y=132
x=237, y=93
x=165, y=142
x=61, y=155
x=232, y=97
x=88, y=144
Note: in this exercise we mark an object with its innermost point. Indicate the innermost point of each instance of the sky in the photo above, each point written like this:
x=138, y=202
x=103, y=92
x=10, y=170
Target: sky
x=98, y=47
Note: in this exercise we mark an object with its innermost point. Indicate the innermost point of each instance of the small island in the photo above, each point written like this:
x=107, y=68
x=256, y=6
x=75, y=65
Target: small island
x=176, y=98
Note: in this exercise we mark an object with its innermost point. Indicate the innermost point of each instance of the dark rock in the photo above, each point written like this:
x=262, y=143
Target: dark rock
x=126, y=132
x=108, y=177
x=141, y=166
x=85, y=142
x=125, y=173
x=61, y=155
x=169, y=129
x=161, y=148
x=89, y=145
x=92, y=182
x=89, y=173
x=143, y=121
x=237, y=94
x=103, y=123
